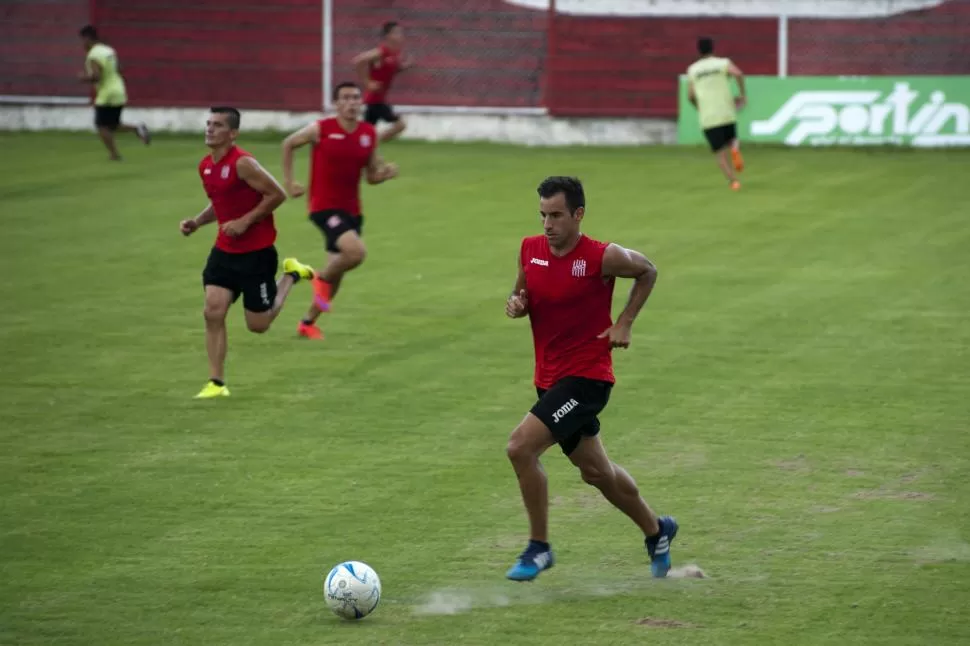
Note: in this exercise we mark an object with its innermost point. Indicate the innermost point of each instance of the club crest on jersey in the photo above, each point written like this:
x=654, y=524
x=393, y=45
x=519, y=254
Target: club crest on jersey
x=365, y=141
x=579, y=268
x=225, y=172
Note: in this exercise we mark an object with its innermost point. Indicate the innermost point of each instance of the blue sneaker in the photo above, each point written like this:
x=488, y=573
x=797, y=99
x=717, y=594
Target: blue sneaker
x=536, y=558
x=658, y=547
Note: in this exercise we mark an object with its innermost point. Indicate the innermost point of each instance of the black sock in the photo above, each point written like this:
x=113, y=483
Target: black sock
x=296, y=276
x=218, y=382
x=541, y=545
x=308, y=322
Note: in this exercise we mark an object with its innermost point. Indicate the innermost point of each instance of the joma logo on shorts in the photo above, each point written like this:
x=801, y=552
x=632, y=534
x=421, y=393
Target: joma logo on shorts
x=565, y=408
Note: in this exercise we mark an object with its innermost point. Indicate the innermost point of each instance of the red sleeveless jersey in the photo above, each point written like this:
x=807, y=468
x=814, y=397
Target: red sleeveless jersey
x=336, y=162
x=383, y=70
x=233, y=198
x=569, y=306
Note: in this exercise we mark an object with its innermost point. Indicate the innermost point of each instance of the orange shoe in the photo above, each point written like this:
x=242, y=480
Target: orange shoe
x=310, y=331
x=737, y=159
x=735, y=186
x=321, y=294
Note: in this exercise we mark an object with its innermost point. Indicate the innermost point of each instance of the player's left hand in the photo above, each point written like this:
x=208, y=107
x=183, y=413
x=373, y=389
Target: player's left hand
x=618, y=334
x=389, y=171
x=235, y=228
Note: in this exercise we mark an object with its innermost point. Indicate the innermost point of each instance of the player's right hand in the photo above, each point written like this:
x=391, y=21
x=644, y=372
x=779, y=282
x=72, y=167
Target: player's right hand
x=295, y=189
x=517, y=305
x=188, y=227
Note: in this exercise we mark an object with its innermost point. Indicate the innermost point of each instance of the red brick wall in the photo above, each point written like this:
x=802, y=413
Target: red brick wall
x=40, y=52
x=929, y=42
x=468, y=52
x=262, y=54
x=628, y=67
x=246, y=53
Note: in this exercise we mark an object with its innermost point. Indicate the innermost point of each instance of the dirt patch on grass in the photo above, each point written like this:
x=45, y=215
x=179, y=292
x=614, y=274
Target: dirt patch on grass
x=655, y=622
x=826, y=510
x=588, y=498
x=883, y=494
x=798, y=463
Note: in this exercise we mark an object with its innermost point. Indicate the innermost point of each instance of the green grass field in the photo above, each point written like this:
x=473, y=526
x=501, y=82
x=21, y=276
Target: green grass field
x=797, y=394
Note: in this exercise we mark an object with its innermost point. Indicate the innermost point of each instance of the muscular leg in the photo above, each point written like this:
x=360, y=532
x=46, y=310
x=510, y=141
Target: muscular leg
x=395, y=130
x=736, y=157
x=724, y=161
x=528, y=441
x=351, y=255
x=259, y=322
x=614, y=483
x=217, y=302
x=108, y=139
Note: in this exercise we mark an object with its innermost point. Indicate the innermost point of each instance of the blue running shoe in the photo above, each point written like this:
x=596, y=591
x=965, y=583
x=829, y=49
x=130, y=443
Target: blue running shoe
x=536, y=558
x=658, y=547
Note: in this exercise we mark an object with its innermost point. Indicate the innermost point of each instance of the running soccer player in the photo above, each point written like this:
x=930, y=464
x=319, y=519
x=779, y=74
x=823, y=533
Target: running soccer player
x=709, y=90
x=565, y=287
x=343, y=147
x=377, y=68
x=243, y=261
x=102, y=69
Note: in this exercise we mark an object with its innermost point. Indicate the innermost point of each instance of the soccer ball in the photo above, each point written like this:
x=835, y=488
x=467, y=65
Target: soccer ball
x=353, y=590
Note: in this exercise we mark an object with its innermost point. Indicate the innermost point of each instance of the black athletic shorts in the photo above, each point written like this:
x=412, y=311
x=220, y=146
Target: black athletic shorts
x=334, y=223
x=570, y=409
x=380, y=112
x=721, y=136
x=108, y=116
x=251, y=274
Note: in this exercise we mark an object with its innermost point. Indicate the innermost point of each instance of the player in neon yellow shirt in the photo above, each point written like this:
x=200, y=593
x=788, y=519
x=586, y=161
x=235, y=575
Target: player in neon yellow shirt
x=102, y=69
x=709, y=89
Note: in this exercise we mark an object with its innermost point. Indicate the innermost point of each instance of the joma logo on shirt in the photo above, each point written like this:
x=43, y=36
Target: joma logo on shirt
x=538, y=261
x=563, y=410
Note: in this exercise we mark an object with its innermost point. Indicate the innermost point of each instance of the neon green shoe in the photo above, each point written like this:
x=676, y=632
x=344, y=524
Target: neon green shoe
x=212, y=390
x=294, y=266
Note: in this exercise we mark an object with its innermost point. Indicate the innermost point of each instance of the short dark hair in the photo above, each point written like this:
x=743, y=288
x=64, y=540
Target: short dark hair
x=388, y=27
x=88, y=31
x=231, y=113
x=570, y=187
x=705, y=46
x=342, y=86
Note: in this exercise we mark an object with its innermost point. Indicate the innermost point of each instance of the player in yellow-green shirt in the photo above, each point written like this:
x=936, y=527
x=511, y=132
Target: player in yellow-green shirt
x=102, y=69
x=709, y=89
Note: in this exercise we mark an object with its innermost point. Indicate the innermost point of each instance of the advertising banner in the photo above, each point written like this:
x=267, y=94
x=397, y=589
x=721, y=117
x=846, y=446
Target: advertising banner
x=917, y=111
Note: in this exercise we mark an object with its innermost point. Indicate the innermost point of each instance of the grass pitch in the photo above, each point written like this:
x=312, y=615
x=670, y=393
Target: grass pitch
x=797, y=394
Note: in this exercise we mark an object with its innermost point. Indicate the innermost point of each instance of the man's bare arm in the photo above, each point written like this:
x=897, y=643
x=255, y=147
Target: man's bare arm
x=362, y=63
x=625, y=263
x=92, y=73
x=517, y=304
x=259, y=179
x=308, y=134
x=379, y=171
x=735, y=71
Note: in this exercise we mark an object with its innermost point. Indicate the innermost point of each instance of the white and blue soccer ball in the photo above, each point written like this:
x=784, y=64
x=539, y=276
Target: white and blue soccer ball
x=353, y=590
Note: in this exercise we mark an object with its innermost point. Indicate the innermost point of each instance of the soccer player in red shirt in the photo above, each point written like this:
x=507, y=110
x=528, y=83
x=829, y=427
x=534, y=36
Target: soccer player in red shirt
x=565, y=287
x=377, y=68
x=243, y=261
x=342, y=148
